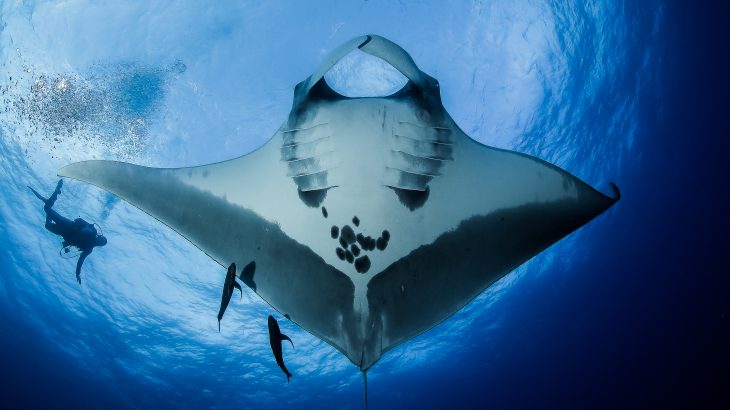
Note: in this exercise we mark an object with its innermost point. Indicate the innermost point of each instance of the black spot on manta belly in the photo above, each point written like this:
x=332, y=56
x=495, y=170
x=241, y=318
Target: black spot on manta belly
x=348, y=234
x=324, y=212
x=355, y=250
x=335, y=232
x=343, y=242
x=386, y=235
x=340, y=253
x=356, y=220
x=348, y=255
x=362, y=264
x=381, y=243
x=370, y=242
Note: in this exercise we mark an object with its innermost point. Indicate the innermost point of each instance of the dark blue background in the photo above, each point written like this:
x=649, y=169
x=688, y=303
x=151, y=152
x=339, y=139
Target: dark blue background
x=651, y=327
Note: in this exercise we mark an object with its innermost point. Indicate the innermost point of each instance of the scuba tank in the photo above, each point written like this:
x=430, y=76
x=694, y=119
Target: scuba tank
x=68, y=251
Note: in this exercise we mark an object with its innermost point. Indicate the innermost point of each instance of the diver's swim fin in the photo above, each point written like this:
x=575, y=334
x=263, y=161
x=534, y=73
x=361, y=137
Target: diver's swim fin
x=37, y=194
x=53, y=196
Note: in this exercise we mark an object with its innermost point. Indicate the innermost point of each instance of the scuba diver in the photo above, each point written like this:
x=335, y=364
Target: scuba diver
x=78, y=232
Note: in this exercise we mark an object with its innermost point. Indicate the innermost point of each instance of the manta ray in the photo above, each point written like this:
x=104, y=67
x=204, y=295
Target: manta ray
x=368, y=220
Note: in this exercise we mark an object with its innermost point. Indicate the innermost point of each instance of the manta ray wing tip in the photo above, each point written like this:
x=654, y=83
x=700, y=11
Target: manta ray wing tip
x=616, y=192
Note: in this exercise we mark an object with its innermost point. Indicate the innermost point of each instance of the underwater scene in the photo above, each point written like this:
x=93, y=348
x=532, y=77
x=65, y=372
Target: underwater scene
x=363, y=204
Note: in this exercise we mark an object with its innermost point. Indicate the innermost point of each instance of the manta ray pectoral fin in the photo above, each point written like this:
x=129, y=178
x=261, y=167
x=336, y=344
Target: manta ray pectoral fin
x=616, y=192
x=144, y=187
x=285, y=337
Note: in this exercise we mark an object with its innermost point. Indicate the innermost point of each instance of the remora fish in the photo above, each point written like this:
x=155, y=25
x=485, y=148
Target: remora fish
x=228, y=286
x=275, y=338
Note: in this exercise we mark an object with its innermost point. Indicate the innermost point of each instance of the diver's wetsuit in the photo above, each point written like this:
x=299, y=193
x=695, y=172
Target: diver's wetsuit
x=78, y=232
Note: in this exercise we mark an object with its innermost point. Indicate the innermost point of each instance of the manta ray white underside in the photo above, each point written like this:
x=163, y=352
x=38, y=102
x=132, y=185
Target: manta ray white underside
x=370, y=220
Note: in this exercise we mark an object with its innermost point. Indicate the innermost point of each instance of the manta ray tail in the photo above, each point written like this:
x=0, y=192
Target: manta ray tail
x=285, y=337
x=219, y=325
x=365, y=386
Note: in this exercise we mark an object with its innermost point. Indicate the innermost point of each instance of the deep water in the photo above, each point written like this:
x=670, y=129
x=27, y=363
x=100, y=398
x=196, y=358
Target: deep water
x=630, y=311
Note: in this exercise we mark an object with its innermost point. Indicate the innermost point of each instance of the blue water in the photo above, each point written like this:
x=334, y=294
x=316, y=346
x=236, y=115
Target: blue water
x=630, y=311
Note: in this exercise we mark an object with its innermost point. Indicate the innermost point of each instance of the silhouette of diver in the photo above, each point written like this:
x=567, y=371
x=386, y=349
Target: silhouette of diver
x=78, y=232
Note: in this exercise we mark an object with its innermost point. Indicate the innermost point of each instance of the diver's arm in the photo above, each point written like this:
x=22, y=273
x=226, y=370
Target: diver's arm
x=83, y=256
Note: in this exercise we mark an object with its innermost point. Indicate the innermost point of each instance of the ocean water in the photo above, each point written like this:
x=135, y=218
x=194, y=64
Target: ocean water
x=630, y=311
